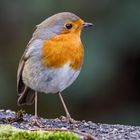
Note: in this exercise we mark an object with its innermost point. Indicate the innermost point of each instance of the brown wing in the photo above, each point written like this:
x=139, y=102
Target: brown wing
x=20, y=84
x=26, y=94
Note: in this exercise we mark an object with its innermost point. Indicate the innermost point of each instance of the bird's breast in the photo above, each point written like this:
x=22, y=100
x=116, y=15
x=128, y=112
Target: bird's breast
x=62, y=49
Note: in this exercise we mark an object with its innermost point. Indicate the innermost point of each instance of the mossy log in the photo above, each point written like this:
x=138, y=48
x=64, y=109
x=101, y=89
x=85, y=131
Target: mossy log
x=16, y=125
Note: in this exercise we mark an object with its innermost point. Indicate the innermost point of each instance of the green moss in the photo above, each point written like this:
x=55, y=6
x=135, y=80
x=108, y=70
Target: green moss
x=8, y=132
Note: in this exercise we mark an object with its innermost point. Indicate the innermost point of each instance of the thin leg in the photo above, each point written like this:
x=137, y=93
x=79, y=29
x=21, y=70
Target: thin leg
x=36, y=104
x=65, y=108
x=34, y=119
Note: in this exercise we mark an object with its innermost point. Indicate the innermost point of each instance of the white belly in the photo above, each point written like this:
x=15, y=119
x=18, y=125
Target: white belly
x=48, y=80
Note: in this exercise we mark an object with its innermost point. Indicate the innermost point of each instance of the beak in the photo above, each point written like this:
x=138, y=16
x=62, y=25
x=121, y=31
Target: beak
x=86, y=24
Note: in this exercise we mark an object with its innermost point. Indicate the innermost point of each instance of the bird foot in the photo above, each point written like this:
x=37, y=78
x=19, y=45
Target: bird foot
x=35, y=121
x=69, y=119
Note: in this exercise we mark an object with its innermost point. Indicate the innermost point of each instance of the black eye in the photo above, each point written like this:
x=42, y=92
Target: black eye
x=68, y=26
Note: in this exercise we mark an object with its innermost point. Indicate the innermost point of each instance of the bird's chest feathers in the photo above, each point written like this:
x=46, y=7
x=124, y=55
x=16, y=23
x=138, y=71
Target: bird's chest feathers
x=62, y=49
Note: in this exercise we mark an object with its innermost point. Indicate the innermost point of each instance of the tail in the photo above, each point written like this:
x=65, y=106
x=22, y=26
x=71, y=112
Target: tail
x=27, y=97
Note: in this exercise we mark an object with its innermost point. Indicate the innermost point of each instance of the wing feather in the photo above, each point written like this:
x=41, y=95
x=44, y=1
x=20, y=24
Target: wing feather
x=26, y=94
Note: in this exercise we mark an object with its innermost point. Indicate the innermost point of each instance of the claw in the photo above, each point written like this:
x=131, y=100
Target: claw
x=35, y=121
x=69, y=120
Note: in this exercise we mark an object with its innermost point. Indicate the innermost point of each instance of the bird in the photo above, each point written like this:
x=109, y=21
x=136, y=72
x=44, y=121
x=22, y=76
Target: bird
x=52, y=59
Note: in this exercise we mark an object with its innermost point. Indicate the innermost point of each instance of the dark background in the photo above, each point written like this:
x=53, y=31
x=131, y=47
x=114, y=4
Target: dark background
x=108, y=88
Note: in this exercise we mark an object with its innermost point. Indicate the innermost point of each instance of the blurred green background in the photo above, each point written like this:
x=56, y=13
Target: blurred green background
x=108, y=88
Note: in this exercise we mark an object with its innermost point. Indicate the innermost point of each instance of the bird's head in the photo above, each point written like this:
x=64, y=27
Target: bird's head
x=61, y=23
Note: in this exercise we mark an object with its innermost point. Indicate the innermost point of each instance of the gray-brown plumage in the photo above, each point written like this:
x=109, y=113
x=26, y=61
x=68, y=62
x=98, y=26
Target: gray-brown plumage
x=26, y=94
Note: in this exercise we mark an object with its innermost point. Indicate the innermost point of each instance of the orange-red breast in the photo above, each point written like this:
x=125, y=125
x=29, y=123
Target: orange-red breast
x=52, y=59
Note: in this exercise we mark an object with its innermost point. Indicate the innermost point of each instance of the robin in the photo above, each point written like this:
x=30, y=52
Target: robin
x=52, y=59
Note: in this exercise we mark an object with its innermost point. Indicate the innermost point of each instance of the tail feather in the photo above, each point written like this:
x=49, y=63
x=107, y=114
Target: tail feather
x=27, y=97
